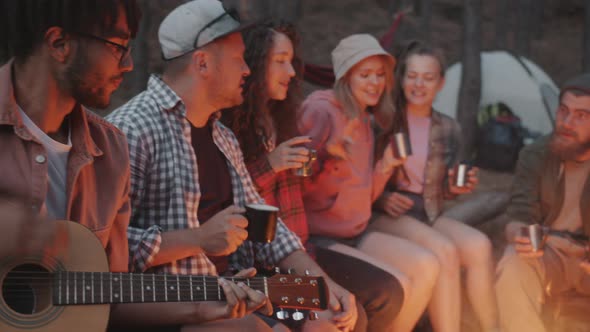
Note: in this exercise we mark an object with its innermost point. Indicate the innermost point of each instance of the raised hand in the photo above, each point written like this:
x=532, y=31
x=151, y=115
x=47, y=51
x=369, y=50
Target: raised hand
x=340, y=148
x=288, y=155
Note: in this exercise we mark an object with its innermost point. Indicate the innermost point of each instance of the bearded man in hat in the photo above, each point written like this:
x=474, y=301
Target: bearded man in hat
x=551, y=188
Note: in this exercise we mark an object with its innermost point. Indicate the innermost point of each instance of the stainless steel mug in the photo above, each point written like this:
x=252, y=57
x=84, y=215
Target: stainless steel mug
x=307, y=170
x=402, y=148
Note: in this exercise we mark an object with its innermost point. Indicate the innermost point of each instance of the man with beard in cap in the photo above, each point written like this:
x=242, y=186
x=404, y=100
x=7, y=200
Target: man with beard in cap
x=550, y=188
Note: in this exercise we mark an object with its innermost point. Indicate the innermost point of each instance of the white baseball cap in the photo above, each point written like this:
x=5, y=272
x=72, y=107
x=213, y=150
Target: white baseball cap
x=355, y=48
x=196, y=24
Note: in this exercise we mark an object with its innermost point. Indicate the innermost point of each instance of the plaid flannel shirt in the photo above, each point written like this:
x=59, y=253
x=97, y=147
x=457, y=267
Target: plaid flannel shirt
x=165, y=189
x=443, y=152
x=284, y=190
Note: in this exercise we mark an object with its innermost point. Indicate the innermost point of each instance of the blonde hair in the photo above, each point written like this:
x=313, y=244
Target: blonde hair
x=384, y=109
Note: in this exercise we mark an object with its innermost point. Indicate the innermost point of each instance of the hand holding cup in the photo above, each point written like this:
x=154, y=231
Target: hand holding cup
x=400, y=143
x=262, y=222
x=462, y=179
x=307, y=168
x=531, y=240
x=290, y=154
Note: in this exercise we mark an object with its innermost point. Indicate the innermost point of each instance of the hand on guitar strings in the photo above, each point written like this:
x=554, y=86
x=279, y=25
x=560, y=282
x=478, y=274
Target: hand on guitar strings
x=241, y=300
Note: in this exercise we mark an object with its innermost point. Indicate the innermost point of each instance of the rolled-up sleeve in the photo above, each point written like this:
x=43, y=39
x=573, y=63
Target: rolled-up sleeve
x=144, y=244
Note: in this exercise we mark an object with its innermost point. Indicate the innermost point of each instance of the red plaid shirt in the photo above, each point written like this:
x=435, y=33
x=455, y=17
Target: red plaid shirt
x=283, y=190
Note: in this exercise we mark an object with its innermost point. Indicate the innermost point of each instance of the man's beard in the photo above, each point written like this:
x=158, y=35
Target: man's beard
x=82, y=84
x=570, y=149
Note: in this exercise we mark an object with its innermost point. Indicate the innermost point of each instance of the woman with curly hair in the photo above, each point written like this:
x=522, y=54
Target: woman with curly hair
x=266, y=127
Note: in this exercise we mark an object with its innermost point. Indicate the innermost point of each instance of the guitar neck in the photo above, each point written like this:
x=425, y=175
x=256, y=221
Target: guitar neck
x=108, y=288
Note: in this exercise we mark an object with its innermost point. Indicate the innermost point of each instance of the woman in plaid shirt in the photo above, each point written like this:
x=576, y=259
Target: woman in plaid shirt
x=266, y=126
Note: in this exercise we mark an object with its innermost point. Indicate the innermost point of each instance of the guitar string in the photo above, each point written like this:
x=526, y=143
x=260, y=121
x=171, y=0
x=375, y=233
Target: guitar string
x=49, y=276
x=38, y=280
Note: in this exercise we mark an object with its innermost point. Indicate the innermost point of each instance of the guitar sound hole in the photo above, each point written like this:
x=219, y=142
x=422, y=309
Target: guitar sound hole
x=27, y=289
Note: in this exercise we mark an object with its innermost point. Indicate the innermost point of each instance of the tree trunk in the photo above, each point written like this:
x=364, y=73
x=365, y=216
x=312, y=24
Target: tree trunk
x=586, y=53
x=502, y=21
x=426, y=13
x=523, y=32
x=289, y=10
x=391, y=6
x=470, y=91
x=141, y=53
x=538, y=15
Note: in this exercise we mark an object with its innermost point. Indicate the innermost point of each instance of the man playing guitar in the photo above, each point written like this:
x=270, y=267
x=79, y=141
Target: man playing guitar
x=64, y=162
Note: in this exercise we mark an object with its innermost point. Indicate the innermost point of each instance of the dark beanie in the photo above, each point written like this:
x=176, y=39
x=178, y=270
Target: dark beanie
x=579, y=83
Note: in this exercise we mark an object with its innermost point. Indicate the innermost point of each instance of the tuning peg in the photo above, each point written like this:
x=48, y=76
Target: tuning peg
x=307, y=273
x=291, y=270
x=313, y=315
x=277, y=270
x=282, y=314
x=297, y=315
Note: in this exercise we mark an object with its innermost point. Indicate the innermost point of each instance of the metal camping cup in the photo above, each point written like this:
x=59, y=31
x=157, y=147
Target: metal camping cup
x=402, y=148
x=306, y=169
x=536, y=235
x=461, y=175
x=262, y=222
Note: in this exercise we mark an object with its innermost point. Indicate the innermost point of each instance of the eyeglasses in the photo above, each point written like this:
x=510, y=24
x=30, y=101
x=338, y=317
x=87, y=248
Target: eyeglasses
x=122, y=51
x=231, y=12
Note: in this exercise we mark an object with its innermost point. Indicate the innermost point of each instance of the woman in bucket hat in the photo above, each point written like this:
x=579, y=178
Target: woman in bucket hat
x=346, y=179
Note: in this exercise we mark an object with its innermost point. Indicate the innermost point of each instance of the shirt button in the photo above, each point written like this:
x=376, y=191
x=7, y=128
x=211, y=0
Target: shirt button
x=40, y=159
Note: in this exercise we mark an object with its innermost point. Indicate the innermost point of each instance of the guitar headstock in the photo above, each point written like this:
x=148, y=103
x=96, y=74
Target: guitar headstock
x=298, y=292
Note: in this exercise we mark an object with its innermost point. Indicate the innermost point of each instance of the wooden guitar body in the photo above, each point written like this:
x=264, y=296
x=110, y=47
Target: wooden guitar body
x=85, y=253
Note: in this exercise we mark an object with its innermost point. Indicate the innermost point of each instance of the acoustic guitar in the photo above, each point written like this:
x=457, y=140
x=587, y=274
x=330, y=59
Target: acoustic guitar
x=73, y=292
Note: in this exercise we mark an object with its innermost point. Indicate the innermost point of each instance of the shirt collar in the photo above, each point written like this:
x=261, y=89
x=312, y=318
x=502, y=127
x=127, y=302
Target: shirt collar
x=9, y=115
x=164, y=96
x=8, y=106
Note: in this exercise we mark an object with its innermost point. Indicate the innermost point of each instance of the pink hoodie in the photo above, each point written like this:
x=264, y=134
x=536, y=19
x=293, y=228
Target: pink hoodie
x=339, y=196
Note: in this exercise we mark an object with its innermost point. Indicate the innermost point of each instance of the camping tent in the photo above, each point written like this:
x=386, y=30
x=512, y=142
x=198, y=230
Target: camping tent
x=514, y=80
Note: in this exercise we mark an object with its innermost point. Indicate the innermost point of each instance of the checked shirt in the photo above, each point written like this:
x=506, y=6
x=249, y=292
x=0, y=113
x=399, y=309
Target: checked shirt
x=165, y=185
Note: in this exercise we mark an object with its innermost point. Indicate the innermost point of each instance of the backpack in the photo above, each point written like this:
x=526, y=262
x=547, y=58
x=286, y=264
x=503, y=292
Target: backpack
x=499, y=139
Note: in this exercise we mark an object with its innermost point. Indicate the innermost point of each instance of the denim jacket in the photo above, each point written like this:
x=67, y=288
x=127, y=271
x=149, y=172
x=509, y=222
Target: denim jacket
x=443, y=151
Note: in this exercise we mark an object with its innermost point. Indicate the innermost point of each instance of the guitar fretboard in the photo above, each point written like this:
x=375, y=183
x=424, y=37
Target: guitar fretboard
x=106, y=287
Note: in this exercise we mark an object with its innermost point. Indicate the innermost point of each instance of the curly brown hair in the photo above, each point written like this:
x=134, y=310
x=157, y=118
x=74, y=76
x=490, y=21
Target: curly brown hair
x=254, y=121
